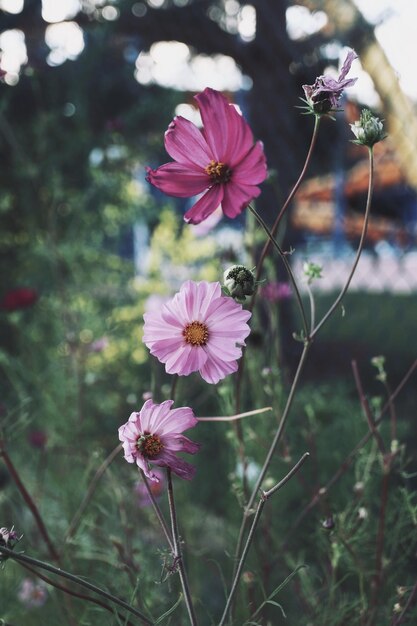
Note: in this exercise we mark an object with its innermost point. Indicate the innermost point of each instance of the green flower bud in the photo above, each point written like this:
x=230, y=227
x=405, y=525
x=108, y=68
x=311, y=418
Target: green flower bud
x=368, y=130
x=239, y=282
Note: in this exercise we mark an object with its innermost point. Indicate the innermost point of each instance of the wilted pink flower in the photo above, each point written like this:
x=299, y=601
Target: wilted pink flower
x=153, y=435
x=8, y=539
x=32, y=594
x=276, y=291
x=157, y=489
x=221, y=161
x=19, y=298
x=198, y=330
x=326, y=92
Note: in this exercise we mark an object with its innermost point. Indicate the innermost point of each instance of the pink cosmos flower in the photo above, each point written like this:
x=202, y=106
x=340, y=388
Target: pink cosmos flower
x=198, y=330
x=325, y=93
x=220, y=161
x=153, y=435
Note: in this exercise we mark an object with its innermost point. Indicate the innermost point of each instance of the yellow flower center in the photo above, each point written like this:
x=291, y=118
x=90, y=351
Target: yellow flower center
x=219, y=172
x=149, y=445
x=196, y=334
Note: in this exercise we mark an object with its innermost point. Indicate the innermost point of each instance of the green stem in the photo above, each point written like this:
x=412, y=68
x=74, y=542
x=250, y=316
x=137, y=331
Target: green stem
x=359, y=251
x=178, y=552
x=80, y=596
x=286, y=263
x=265, y=495
x=290, y=197
x=76, y=579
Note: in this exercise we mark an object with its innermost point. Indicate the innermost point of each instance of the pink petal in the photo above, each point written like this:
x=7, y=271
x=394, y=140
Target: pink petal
x=206, y=205
x=177, y=421
x=351, y=56
x=198, y=297
x=153, y=414
x=216, y=369
x=178, y=180
x=179, y=443
x=176, y=465
x=216, y=116
x=237, y=197
x=185, y=143
x=240, y=139
x=251, y=170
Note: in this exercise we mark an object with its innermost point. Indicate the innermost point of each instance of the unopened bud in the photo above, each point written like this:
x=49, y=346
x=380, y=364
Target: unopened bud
x=239, y=282
x=368, y=130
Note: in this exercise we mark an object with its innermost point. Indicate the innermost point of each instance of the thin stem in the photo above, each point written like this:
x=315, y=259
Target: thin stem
x=174, y=383
x=265, y=495
x=286, y=263
x=76, y=579
x=289, y=199
x=158, y=512
x=90, y=491
x=178, y=552
x=81, y=596
x=360, y=247
x=272, y=449
x=30, y=503
x=347, y=462
x=312, y=307
x=366, y=409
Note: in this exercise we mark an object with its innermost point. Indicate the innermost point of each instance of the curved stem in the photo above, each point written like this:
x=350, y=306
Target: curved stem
x=158, y=512
x=286, y=263
x=272, y=449
x=30, y=503
x=80, y=596
x=290, y=197
x=359, y=251
x=178, y=552
x=76, y=579
x=265, y=495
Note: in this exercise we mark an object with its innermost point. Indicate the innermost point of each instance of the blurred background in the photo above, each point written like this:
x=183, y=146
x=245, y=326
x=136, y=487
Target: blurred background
x=88, y=88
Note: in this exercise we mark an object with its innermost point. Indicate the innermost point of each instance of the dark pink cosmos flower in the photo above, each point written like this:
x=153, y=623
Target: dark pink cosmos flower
x=220, y=161
x=200, y=329
x=19, y=298
x=153, y=435
x=324, y=95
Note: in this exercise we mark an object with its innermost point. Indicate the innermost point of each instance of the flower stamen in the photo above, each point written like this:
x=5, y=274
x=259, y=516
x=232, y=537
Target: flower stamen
x=149, y=445
x=219, y=172
x=196, y=334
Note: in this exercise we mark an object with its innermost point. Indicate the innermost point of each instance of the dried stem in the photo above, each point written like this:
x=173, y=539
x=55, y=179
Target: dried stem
x=54, y=555
x=367, y=410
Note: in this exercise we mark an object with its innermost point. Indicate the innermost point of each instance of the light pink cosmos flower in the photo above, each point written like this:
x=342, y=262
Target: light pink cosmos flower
x=153, y=435
x=324, y=95
x=198, y=330
x=32, y=594
x=220, y=161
